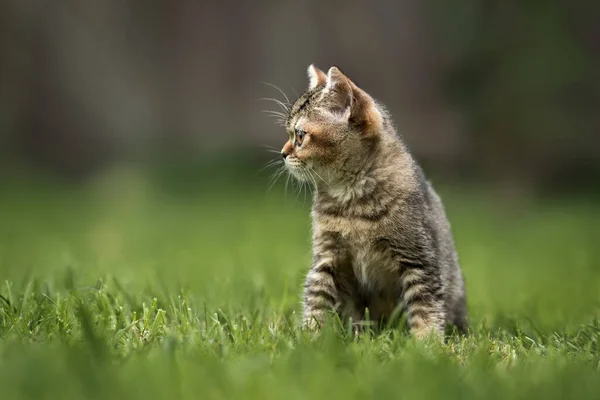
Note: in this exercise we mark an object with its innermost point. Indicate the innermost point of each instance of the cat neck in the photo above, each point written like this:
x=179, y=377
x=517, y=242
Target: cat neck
x=376, y=173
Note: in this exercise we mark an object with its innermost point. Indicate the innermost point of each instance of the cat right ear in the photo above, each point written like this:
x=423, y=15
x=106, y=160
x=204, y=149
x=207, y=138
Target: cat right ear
x=316, y=77
x=352, y=104
x=339, y=91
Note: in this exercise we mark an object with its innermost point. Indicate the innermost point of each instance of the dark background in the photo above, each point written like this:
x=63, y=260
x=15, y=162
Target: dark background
x=505, y=93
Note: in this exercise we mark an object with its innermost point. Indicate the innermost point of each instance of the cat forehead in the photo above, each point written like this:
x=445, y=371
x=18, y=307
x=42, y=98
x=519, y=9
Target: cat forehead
x=302, y=123
x=307, y=110
x=305, y=102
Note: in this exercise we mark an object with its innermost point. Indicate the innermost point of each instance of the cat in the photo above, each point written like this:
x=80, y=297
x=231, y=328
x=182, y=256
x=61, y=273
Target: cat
x=380, y=236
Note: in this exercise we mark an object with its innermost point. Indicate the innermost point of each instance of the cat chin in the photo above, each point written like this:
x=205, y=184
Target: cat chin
x=298, y=172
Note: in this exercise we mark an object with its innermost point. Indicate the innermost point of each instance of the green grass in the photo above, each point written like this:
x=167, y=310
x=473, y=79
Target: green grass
x=120, y=289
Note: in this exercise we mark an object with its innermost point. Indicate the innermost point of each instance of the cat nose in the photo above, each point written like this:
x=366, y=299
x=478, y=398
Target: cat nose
x=284, y=155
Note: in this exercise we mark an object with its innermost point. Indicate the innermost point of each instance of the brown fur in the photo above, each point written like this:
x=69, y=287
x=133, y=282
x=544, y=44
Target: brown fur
x=381, y=239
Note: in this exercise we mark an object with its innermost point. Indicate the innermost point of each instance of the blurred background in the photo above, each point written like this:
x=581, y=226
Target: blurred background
x=501, y=93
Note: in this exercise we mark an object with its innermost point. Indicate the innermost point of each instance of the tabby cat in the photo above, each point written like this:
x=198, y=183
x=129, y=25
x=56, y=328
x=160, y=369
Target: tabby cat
x=381, y=240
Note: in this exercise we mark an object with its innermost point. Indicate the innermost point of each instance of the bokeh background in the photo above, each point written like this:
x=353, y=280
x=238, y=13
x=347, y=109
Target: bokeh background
x=503, y=93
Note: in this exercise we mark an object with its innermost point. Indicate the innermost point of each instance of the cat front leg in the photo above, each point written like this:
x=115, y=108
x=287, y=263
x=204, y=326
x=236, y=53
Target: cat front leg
x=320, y=294
x=323, y=280
x=422, y=298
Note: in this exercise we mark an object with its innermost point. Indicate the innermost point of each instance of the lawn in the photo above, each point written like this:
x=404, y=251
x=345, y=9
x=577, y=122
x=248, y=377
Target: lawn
x=123, y=288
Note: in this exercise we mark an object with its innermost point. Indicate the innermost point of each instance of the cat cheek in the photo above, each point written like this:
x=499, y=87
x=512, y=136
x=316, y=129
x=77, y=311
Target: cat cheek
x=304, y=150
x=302, y=153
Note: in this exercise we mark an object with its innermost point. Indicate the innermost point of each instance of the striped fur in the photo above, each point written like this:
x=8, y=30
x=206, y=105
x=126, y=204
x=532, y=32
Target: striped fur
x=381, y=239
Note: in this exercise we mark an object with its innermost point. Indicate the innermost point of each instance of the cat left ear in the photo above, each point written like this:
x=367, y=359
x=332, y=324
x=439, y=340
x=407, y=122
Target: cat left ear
x=316, y=77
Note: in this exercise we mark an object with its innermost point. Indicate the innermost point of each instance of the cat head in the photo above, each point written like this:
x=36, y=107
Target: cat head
x=332, y=128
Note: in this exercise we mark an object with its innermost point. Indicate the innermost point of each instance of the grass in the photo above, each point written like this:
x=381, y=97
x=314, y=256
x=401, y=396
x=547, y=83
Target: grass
x=121, y=289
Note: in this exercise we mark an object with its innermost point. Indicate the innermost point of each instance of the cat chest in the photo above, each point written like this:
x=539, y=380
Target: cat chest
x=374, y=270
x=371, y=265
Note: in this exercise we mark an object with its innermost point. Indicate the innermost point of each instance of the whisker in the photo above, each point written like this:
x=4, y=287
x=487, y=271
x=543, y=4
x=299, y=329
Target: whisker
x=307, y=186
x=309, y=182
x=273, y=151
x=278, y=113
x=296, y=93
x=299, y=183
x=276, y=87
x=270, y=164
x=314, y=182
x=324, y=181
x=274, y=161
x=281, y=122
x=278, y=172
x=270, y=149
x=277, y=119
x=275, y=176
x=287, y=181
x=280, y=103
x=299, y=186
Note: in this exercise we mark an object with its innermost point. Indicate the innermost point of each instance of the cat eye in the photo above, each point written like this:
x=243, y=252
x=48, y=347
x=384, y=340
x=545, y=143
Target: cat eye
x=299, y=137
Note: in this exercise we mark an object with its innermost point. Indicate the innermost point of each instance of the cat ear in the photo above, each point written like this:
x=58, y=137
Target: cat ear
x=316, y=77
x=339, y=90
x=351, y=103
